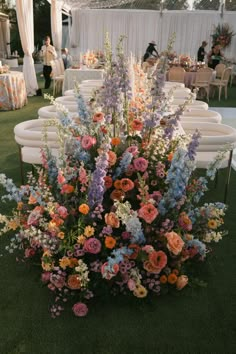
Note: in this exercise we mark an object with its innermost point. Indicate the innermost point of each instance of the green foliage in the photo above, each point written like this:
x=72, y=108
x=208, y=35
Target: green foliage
x=206, y=4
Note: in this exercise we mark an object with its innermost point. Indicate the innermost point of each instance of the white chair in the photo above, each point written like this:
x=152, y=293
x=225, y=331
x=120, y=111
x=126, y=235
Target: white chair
x=170, y=84
x=50, y=112
x=214, y=137
x=233, y=74
x=57, y=77
x=29, y=137
x=176, y=74
x=201, y=115
x=66, y=100
x=194, y=105
x=69, y=92
x=221, y=83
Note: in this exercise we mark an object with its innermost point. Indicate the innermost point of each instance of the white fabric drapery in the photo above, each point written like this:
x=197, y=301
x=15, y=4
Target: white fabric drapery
x=141, y=26
x=56, y=25
x=5, y=49
x=24, y=12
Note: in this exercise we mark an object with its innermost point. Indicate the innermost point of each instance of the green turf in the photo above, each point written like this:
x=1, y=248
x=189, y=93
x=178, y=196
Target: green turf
x=199, y=320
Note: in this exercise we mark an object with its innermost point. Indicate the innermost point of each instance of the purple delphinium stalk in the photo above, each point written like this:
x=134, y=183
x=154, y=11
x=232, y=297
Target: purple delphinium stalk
x=192, y=146
x=97, y=185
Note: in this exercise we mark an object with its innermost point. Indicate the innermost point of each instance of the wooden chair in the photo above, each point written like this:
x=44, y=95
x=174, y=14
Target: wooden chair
x=219, y=70
x=56, y=77
x=176, y=74
x=221, y=83
x=203, y=79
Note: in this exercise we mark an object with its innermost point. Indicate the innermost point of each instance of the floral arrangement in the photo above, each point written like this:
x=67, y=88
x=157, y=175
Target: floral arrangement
x=120, y=207
x=185, y=60
x=222, y=35
x=4, y=69
x=93, y=58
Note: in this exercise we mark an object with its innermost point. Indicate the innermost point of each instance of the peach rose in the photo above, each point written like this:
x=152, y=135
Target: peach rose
x=98, y=117
x=158, y=260
x=181, y=282
x=126, y=184
x=111, y=158
x=148, y=212
x=112, y=220
x=73, y=282
x=117, y=194
x=175, y=243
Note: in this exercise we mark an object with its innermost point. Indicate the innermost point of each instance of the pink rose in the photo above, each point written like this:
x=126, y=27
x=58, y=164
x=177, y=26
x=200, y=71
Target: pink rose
x=29, y=252
x=92, y=245
x=87, y=142
x=131, y=284
x=45, y=277
x=133, y=149
x=175, y=243
x=140, y=164
x=57, y=280
x=148, y=212
x=80, y=309
x=108, y=273
x=181, y=282
x=62, y=211
x=60, y=178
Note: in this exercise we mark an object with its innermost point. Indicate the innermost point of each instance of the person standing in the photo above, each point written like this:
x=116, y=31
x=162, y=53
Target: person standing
x=48, y=53
x=215, y=56
x=66, y=57
x=201, y=52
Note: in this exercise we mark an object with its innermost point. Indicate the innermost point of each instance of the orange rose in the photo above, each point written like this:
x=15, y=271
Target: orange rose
x=115, y=141
x=163, y=279
x=73, y=262
x=137, y=125
x=111, y=158
x=117, y=184
x=84, y=209
x=98, y=117
x=126, y=184
x=67, y=189
x=112, y=220
x=110, y=242
x=117, y=194
x=172, y=278
x=73, y=282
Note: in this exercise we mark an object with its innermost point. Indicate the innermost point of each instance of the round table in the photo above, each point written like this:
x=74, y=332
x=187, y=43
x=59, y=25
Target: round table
x=12, y=91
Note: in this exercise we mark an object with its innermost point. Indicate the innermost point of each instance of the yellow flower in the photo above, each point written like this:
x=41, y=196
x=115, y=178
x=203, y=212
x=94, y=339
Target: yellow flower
x=89, y=231
x=64, y=262
x=13, y=224
x=61, y=235
x=81, y=239
x=212, y=224
x=140, y=291
x=47, y=266
x=47, y=253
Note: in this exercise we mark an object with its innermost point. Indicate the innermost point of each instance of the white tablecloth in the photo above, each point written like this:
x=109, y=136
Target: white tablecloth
x=12, y=91
x=77, y=75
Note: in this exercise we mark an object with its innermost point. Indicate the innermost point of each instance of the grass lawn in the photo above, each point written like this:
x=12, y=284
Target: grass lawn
x=196, y=320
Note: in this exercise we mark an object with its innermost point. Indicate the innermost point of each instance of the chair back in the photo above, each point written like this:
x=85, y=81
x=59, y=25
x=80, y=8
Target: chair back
x=204, y=75
x=219, y=70
x=55, y=71
x=61, y=66
x=226, y=75
x=176, y=74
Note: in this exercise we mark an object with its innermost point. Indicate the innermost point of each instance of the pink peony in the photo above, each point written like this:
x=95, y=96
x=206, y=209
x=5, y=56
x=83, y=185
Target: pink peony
x=80, y=309
x=175, y=243
x=87, y=142
x=140, y=164
x=148, y=212
x=92, y=245
x=62, y=211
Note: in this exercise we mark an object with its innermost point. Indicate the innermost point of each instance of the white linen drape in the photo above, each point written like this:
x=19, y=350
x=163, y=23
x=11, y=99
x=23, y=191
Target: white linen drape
x=24, y=12
x=56, y=25
x=140, y=26
x=5, y=38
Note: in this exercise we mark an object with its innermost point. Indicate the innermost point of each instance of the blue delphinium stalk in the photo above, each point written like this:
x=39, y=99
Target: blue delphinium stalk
x=192, y=146
x=177, y=180
x=84, y=115
x=123, y=165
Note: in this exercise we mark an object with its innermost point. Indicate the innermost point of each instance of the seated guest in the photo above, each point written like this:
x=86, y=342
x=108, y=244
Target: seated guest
x=214, y=56
x=66, y=57
x=201, y=52
x=150, y=51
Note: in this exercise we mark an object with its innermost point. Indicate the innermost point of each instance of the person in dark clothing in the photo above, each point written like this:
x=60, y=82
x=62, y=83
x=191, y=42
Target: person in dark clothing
x=214, y=56
x=201, y=52
x=150, y=51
